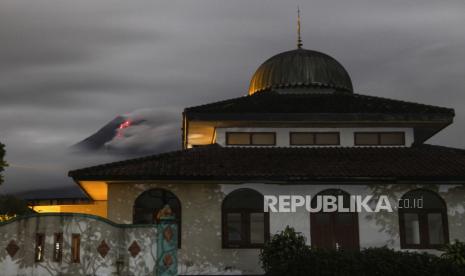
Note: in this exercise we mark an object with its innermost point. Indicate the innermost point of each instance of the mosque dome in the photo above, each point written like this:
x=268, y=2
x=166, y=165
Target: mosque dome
x=301, y=68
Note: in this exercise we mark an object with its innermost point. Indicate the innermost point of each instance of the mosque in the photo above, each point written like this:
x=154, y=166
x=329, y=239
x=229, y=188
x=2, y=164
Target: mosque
x=301, y=130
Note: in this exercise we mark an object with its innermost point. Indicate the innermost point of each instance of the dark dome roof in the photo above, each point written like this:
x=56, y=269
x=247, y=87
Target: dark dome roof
x=300, y=68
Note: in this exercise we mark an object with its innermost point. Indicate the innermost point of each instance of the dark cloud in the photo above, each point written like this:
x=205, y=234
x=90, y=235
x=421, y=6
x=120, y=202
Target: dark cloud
x=69, y=67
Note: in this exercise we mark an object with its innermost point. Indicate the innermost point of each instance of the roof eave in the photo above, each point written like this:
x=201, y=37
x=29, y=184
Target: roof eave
x=322, y=117
x=284, y=179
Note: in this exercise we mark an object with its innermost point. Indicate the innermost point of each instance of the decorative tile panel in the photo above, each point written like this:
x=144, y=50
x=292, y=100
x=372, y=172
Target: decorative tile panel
x=168, y=260
x=103, y=249
x=167, y=247
x=12, y=248
x=134, y=249
x=168, y=234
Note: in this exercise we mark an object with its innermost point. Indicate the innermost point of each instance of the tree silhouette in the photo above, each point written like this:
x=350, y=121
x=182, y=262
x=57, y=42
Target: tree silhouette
x=3, y=164
x=11, y=206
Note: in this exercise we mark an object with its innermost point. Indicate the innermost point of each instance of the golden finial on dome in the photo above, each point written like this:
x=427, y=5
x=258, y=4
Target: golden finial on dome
x=299, y=39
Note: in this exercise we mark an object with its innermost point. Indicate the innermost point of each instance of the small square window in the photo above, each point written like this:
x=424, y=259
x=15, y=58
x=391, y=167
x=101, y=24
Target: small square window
x=251, y=138
x=412, y=229
x=257, y=228
x=58, y=247
x=314, y=138
x=435, y=228
x=76, y=248
x=327, y=138
x=263, y=138
x=238, y=138
x=392, y=138
x=366, y=139
x=234, y=226
x=302, y=138
x=40, y=247
x=379, y=138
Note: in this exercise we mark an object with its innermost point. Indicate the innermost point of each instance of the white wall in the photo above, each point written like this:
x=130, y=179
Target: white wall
x=346, y=134
x=375, y=229
x=201, y=251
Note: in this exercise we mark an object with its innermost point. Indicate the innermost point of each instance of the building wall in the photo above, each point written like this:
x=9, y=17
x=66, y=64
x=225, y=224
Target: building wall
x=202, y=251
x=283, y=140
x=92, y=231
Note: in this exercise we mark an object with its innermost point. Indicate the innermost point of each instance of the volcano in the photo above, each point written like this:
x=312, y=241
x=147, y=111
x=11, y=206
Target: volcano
x=135, y=133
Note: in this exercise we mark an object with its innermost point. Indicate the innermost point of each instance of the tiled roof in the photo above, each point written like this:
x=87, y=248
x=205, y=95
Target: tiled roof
x=340, y=104
x=422, y=162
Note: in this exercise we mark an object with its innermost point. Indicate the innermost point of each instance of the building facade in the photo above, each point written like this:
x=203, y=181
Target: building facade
x=301, y=131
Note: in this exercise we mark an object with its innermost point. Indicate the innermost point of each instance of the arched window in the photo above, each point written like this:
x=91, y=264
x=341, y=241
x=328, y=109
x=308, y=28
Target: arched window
x=244, y=223
x=149, y=203
x=423, y=220
x=335, y=230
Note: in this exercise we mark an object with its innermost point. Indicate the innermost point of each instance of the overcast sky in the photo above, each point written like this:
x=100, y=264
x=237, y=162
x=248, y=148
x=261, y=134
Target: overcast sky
x=69, y=67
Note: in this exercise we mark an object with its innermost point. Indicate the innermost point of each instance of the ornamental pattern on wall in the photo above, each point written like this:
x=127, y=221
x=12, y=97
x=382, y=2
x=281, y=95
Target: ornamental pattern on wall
x=103, y=249
x=134, y=249
x=12, y=248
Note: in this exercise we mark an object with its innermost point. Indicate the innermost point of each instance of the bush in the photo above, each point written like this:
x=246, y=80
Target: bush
x=284, y=252
x=287, y=254
x=455, y=253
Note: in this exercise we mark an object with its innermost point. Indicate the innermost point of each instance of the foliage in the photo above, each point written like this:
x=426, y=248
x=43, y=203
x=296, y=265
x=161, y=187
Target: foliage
x=455, y=253
x=3, y=164
x=287, y=254
x=6, y=217
x=11, y=206
x=284, y=252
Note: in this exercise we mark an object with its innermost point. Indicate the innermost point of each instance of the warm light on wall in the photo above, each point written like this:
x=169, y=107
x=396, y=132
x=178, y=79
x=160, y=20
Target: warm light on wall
x=195, y=136
x=98, y=208
x=47, y=208
x=97, y=190
x=200, y=134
